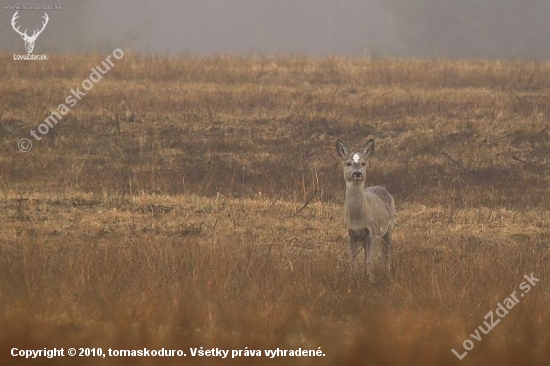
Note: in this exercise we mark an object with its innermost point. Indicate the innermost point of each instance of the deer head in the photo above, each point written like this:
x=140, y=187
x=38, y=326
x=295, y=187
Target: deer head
x=354, y=163
x=29, y=40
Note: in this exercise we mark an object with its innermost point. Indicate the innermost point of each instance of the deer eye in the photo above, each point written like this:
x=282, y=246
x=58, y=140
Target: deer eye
x=348, y=164
x=363, y=164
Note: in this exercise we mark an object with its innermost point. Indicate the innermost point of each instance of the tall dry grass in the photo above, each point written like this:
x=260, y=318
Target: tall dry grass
x=178, y=227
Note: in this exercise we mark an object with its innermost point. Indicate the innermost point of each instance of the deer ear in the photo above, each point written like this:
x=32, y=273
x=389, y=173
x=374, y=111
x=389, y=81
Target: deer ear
x=368, y=149
x=341, y=149
x=23, y=36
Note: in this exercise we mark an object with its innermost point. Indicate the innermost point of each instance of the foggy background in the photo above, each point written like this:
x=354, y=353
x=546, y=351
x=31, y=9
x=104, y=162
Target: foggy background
x=509, y=29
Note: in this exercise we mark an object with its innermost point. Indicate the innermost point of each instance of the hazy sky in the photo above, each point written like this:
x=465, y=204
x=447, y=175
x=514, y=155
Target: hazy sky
x=408, y=28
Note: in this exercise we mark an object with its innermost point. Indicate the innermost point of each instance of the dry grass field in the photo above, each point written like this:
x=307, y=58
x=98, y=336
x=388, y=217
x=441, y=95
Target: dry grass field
x=176, y=219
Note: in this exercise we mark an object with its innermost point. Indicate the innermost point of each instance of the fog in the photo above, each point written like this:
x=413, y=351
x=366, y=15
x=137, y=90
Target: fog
x=507, y=29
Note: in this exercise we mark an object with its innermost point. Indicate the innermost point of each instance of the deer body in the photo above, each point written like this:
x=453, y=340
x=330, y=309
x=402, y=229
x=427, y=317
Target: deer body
x=368, y=212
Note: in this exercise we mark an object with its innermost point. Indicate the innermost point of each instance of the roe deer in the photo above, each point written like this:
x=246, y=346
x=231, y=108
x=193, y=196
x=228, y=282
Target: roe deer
x=368, y=212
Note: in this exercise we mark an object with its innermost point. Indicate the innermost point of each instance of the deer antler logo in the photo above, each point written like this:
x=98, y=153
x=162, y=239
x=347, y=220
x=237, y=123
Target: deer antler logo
x=29, y=41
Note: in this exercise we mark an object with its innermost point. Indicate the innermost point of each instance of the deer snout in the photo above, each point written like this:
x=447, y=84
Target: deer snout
x=357, y=175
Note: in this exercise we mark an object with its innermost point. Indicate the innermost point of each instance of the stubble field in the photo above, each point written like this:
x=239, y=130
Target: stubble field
x=196, y=202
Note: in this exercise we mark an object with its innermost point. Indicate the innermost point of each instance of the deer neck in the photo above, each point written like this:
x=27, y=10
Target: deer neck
x=356, y=206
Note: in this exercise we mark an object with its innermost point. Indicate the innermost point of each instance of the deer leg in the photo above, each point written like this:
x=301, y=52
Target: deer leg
x=354, y=238
x=368, y=247
x=386, y=247
x=354, y=247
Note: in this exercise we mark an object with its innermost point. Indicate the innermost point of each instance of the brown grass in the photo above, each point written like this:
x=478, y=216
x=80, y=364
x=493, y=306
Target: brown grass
x=178, y=229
